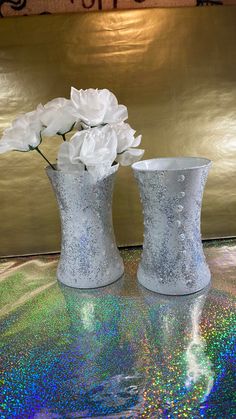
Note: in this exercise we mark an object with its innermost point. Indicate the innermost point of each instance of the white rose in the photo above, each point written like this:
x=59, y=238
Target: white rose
x=95, y=107
x=126, y=154
x=95, y=148
x=99, y=146
x=57, y=117
x=24, y=133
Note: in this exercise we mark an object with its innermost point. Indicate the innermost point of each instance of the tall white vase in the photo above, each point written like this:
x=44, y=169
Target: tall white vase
x=89, y=255
x=171, y=192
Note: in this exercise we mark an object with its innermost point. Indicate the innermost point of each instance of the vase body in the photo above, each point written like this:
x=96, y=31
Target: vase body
x=89, y=255
x=171, y=191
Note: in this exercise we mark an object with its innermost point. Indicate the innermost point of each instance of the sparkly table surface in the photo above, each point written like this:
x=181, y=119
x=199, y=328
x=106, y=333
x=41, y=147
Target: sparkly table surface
x=119, y=351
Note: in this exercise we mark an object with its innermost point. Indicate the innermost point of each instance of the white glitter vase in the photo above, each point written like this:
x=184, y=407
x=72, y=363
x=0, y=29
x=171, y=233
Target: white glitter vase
x=171, y=192
x=89, y=255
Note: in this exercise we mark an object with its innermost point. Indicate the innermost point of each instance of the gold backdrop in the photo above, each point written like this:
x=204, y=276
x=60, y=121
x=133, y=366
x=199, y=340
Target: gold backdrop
x=175, y=69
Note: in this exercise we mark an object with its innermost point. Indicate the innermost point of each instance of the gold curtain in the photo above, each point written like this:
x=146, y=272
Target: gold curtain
x=173, y=68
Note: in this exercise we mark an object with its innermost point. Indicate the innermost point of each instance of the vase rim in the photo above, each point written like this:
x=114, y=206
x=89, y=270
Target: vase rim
x=86, y=174
x=171, y=164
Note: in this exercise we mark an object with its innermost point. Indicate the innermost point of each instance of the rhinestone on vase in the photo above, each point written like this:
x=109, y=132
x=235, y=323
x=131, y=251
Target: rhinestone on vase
x=181, y=178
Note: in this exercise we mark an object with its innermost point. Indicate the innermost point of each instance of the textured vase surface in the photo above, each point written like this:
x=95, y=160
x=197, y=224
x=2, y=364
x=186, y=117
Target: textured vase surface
x=89, y=255
x=171, y=191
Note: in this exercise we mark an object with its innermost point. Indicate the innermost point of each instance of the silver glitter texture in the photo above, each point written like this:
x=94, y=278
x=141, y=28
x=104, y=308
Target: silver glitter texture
x=171, y=191
x=89, y=255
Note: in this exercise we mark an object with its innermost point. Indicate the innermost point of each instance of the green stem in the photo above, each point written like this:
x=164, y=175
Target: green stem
x=45, y=158
x=64, y=135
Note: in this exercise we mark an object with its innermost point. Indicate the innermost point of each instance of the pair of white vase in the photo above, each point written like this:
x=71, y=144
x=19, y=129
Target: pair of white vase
x=171, y=192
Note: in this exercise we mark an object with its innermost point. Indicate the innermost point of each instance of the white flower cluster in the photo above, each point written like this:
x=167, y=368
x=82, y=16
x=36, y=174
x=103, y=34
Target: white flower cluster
x=101, y=138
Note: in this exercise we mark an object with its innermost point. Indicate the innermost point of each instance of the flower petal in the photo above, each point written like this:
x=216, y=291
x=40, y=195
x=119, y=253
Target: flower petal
x=129, y=156
x=66, y=161
x=116, y=114
x=125, y=137
x=101, y=171
x=57, y=117
x=5, y=147
x=136, y=142
x=99, y=146
x=59, y=102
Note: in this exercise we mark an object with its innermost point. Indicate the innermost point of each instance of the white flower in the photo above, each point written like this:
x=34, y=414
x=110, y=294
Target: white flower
x=57, y=117
x=95, y=107
x=99, y=146
x=24, y=133
x=126, y=140
x=94, y=148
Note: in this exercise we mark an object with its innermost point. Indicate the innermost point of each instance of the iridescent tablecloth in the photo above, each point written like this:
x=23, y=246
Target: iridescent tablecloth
x=116, y=352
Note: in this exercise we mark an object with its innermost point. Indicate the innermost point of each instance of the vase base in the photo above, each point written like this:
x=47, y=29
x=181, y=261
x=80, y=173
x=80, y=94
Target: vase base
x=177, y=289
x=91, y=284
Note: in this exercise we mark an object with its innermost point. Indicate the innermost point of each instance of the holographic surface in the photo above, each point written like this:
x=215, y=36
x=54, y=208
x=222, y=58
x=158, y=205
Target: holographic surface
x=119, y=351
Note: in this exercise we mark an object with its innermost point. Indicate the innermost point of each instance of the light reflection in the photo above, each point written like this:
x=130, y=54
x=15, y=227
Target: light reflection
x=98, y=367
x=87, y=316
x=178, y=370
x=198, y=364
